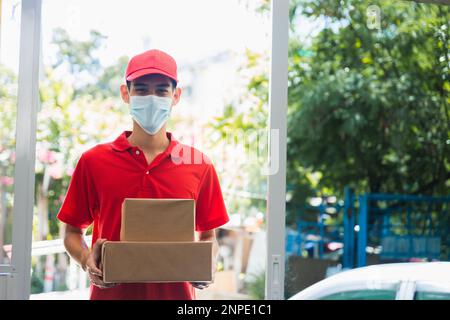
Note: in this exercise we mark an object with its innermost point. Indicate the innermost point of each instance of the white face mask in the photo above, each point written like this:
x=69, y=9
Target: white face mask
x=150, y=112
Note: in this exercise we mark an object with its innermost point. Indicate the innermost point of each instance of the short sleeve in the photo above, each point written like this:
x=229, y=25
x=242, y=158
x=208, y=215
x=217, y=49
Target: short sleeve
x=210, y=208
x=79, y=203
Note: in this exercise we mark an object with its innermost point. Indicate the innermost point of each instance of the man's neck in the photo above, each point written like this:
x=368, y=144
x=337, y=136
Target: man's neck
x=149, y=143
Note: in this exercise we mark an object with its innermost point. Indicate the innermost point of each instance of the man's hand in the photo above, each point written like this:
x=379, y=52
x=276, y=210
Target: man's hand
x=92, y=264
x=200, y=285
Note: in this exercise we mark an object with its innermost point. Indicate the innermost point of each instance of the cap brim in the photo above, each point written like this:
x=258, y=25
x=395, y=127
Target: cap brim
x=144, y=72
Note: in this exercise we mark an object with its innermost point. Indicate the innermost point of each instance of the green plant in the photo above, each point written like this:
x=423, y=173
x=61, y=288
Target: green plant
x=255, y=285
x=37, y=284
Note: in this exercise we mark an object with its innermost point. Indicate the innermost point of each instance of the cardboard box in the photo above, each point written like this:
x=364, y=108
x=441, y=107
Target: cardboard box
x=132, y=262
x=157, y=220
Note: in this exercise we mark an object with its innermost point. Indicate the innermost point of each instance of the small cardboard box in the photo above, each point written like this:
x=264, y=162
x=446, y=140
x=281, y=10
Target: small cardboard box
x=133, y=262
x=157, y=220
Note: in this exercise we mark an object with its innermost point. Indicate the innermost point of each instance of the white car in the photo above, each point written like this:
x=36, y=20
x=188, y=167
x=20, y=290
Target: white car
x=394, y=281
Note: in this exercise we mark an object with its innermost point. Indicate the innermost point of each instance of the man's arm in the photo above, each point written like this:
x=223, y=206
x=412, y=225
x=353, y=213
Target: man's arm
x=75, y=245
x=79, y=251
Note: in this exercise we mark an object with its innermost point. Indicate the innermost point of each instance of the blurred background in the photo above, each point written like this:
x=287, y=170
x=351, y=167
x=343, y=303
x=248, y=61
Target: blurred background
x=368, y=172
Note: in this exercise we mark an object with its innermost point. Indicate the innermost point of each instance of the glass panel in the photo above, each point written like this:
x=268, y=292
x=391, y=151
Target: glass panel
x=9, y=66
x=367, y=133
x=362, y=295
x=84, y=59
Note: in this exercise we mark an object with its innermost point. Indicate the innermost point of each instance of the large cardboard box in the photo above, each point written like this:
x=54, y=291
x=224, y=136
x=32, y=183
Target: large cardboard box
x=133, y=262
x=155, y=220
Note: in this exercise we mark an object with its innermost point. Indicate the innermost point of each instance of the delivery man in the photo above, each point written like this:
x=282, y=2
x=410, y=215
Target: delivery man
x=147, y=162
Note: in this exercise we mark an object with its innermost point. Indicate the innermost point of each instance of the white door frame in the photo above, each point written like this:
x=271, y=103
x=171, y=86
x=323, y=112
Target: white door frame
x=276, y=188
x=16, y=277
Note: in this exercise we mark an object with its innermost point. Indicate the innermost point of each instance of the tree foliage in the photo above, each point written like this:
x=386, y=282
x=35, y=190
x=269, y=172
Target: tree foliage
x=367, y=107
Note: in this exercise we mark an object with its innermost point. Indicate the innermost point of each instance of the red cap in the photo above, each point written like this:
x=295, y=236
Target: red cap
x=150, y=62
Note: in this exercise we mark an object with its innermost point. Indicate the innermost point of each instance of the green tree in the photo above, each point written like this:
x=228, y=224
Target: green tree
x=242, y=133
x=367, y=108
x=371, y=106
x=80, y=60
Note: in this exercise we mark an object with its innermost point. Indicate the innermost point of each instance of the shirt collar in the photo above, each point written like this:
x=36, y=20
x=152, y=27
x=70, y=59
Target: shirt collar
x=122, y=144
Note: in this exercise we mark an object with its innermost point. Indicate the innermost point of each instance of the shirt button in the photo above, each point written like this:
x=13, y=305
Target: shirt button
x=137, y=152
x=148, y=172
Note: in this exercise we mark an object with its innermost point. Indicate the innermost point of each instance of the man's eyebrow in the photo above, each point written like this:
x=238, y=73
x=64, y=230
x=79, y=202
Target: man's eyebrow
x=140, y=84
x=165, y=85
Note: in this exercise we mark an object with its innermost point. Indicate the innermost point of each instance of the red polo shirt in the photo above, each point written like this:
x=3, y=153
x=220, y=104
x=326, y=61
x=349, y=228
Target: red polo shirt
x=110, y=172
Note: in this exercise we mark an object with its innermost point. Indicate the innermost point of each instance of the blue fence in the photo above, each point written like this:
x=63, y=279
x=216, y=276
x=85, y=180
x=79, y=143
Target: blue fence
x=400, y=227
x=404, y=227
x=314, y=235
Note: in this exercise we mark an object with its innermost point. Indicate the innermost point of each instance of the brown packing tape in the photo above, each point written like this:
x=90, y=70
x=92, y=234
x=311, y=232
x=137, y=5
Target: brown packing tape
x=154, y=220
x=135, y=262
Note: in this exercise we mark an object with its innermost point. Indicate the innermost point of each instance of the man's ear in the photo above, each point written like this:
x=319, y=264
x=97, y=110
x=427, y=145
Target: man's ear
x=176, y=96
x=124, y=93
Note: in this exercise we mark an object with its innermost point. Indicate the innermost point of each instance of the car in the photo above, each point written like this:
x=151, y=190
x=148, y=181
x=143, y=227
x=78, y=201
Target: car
x=392, y=281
